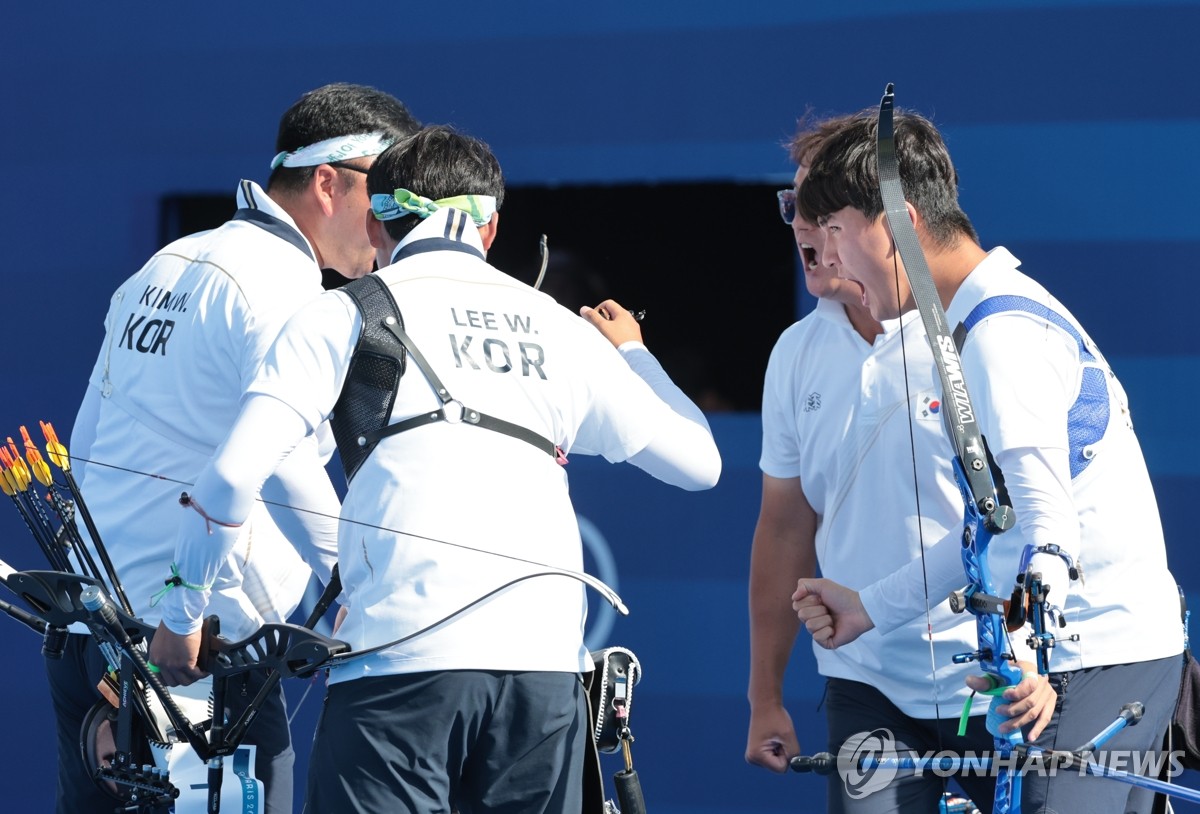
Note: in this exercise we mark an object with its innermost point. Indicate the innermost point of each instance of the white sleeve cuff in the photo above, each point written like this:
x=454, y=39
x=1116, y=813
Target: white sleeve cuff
x=183, y=609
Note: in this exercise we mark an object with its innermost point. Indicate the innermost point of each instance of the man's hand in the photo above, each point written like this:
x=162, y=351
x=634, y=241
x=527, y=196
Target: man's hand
x=772, y=740
x=614, y=321
x=832, y=613
x=175, y=656
x=1030, y=703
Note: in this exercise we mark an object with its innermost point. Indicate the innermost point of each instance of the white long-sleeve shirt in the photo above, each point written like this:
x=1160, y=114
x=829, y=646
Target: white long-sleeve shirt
x=1024, y=375
x=185, y=336
x=440, y=515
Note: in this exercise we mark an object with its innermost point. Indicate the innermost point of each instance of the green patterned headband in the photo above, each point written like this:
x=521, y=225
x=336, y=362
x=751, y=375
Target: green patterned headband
x=403, y=203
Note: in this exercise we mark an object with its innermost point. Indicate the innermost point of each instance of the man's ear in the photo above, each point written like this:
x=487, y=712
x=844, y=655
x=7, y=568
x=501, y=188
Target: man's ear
x=913, y=215
x=487, y=232
x=383, y=243
x=323, y=187
x=918, y=223
x=374, y=231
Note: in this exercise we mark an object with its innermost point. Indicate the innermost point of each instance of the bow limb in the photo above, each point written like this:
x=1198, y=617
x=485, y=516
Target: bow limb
x=985, y=515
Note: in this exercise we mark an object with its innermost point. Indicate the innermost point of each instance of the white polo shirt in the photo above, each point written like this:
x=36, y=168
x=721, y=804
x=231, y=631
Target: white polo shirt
x=837, y=414
x=1024, y=373
x=184, y=338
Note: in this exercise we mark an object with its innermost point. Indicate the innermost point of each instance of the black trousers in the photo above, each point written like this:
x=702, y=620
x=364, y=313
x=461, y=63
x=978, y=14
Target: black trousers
x=852, y=707
x=476, y=742
x=1088, y=701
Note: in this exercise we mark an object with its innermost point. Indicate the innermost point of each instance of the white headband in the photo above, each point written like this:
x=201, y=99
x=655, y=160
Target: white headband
x=332, y=150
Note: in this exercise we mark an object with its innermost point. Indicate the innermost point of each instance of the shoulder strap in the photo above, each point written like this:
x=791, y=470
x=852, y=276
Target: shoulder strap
x=1088, y=417
x=360, y=418
x=458, y=412
x=373, y=377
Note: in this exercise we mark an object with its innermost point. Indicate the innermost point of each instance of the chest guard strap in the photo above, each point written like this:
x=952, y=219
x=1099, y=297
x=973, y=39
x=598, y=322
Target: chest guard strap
x=373, y=376
x=366, y=399
x=1088, y=417
x=452, y=410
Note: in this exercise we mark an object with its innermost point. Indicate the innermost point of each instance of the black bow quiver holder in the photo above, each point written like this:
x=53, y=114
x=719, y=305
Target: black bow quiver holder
x=610, y=696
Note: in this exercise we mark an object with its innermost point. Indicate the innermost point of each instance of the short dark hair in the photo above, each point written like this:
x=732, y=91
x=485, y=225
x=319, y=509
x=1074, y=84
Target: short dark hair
x=810, y=135
x=437, y=162
x=844, y=172
x=337, y=109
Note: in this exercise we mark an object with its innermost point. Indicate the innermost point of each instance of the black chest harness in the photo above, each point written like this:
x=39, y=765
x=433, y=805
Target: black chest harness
x=360, y=417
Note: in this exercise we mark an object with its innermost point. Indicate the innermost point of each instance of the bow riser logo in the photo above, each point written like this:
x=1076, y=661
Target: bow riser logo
x=958, y=385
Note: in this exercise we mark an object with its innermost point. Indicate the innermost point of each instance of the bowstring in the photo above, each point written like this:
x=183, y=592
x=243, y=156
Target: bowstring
x=912, y=446
x=326, y=515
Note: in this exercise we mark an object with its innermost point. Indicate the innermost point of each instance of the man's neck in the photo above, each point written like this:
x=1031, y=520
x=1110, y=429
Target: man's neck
x=300, y=209
x=949, y=267
x=862, y=322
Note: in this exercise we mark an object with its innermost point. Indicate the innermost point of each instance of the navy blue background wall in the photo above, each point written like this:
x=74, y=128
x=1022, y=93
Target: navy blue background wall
x=1073, y=124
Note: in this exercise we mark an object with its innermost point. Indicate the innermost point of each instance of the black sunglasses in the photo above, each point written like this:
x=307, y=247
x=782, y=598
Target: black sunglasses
x=787, y=205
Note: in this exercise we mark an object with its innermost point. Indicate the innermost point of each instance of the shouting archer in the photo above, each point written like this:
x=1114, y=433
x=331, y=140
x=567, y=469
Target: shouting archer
x=1057, y=423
